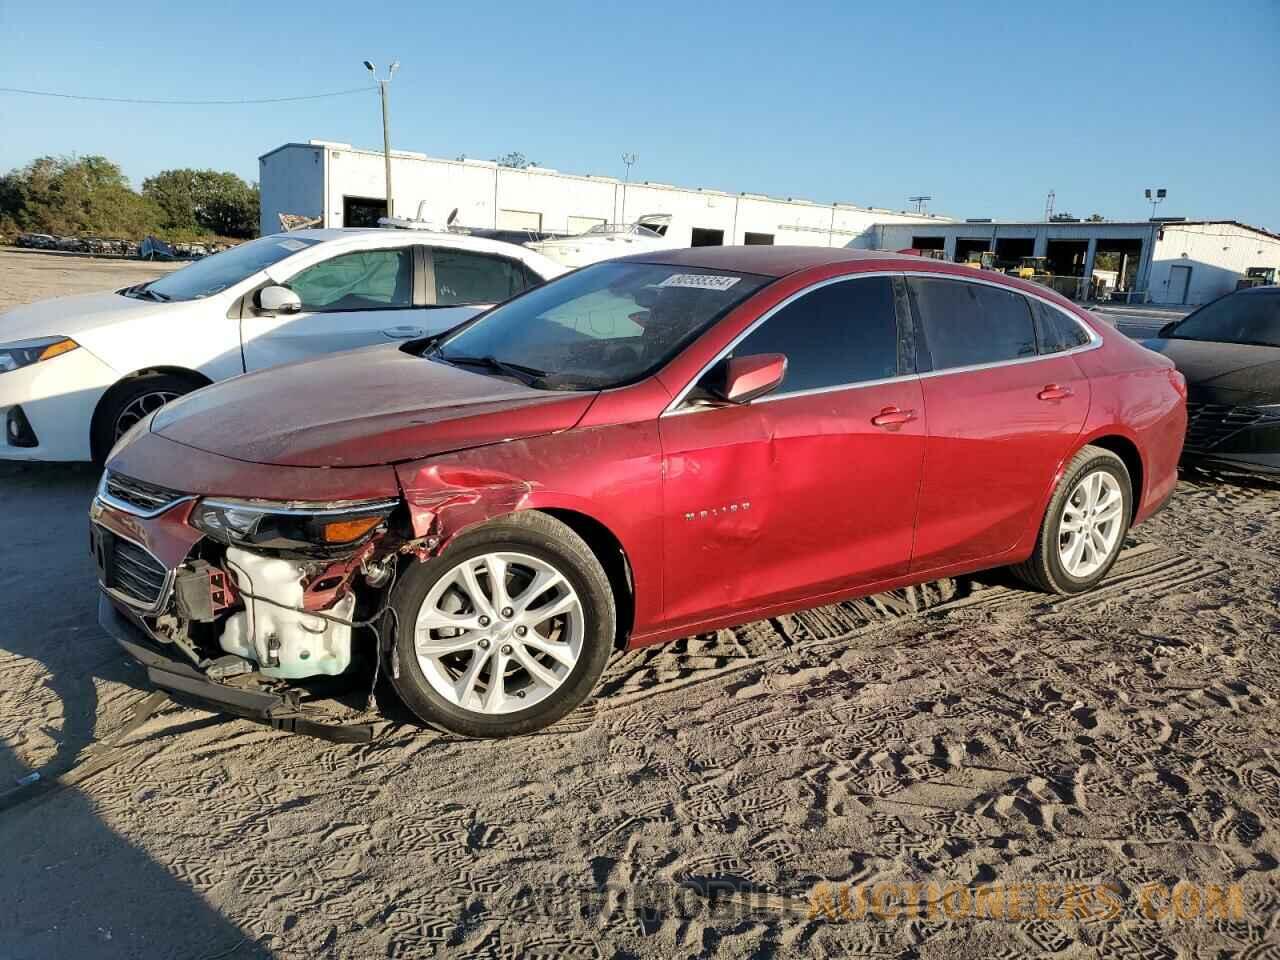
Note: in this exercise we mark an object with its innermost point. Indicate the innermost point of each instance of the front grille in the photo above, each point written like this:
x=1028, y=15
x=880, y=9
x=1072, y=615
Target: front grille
x=1209, y=424
x=130, y=570
x=146, y=497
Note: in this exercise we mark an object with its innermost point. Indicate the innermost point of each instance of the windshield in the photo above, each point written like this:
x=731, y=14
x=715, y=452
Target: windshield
x=603, y=326
x=1252, y=318
x=214, y=274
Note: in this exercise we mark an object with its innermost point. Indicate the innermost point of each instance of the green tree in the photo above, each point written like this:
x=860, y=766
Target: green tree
x=205, y=200
x=516, y=160
x=77, y=196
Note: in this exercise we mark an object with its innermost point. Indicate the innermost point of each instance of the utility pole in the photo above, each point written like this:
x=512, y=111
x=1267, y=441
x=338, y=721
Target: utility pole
x=920, y=203
x=628, y=159
x=386, y=124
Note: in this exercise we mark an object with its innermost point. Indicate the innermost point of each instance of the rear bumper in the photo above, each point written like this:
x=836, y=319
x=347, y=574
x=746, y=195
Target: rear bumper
x=181, y=678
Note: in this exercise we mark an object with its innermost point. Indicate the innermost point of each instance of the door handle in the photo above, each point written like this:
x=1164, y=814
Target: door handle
x=1055, y=392
x=893, y=417
x=402, y=333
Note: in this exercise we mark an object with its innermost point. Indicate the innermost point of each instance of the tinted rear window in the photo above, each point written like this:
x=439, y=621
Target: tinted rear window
x=970, y=323
x=1055, y=330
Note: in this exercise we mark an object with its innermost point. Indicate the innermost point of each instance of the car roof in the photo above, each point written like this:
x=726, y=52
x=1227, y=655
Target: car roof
x=771, y=261
x=354, y=236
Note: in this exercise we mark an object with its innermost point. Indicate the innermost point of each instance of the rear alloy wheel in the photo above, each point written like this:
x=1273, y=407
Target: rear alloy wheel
x=507, y=631
x=1084, y=527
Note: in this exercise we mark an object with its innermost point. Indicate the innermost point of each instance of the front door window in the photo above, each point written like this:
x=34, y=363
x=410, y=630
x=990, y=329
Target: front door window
x=367, y=280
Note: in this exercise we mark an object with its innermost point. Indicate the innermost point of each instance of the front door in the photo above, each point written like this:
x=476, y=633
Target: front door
x=1003, y=411
x=808, y=490
x=348, y=301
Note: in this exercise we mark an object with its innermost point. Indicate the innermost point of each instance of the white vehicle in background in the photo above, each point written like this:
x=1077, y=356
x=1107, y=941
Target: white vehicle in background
x=608, y=240
x=77, y=372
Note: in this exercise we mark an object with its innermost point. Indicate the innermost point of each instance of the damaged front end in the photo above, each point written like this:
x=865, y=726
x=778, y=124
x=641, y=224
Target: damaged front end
x=223, y=599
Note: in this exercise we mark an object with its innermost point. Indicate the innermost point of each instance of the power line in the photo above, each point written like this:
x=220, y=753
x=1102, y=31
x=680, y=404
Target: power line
x=190, y=103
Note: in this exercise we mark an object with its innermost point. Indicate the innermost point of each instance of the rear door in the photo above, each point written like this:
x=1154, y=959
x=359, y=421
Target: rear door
x=810, y=489
x=349, y=300
x=461, y=283
x=1002, y=414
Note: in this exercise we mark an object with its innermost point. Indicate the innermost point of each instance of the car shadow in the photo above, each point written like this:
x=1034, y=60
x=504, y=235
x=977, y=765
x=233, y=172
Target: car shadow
x=1212, y=476
x=71, y=885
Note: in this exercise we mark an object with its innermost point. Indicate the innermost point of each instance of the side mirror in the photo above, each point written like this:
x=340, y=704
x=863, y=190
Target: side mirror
x=1167, y=329
x=275, y=299
x=743, y=379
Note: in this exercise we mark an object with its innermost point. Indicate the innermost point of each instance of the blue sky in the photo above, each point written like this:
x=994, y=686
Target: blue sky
x=985, y=106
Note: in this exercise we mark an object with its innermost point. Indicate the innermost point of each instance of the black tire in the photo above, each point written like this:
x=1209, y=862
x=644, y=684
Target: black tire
x=1044, y=569
x=545, y=538
x=119, y=399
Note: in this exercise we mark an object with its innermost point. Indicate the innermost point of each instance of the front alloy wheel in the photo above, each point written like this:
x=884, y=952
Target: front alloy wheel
x=506, y=631
x=499, y=632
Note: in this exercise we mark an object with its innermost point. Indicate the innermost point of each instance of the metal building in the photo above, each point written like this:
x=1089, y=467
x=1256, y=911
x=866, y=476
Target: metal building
x=1169, y=261
x=345, y=186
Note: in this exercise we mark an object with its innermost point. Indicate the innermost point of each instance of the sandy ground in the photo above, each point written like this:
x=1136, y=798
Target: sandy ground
x=27, y=275
x=968, y=732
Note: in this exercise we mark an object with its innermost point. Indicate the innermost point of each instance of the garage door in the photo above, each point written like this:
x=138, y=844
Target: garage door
x=578, y=225
x=519, y=220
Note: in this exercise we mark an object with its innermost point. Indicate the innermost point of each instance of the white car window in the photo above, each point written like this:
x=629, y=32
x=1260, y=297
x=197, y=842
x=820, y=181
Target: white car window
x=366, y=280
x=466, y=277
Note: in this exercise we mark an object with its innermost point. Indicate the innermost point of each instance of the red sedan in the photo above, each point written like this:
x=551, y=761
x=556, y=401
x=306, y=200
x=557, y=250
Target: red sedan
x=643, y=449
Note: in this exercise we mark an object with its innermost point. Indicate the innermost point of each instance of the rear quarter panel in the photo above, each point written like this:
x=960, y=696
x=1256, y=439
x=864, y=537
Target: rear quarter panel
x=1139, y=395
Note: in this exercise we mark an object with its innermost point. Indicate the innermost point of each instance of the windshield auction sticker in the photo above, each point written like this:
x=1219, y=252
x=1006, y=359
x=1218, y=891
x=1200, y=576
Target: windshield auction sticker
x=293, y=245
x=700, y=281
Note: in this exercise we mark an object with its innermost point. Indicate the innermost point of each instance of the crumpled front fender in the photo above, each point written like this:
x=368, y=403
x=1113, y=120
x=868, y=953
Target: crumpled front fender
x=446, y=498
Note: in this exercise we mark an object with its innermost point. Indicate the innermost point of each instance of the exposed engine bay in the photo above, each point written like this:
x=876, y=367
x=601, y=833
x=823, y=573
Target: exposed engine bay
x=282, y=590
x=275, y=589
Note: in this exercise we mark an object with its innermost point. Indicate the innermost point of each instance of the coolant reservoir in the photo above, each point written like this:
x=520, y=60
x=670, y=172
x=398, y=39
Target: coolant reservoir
x=303, y=644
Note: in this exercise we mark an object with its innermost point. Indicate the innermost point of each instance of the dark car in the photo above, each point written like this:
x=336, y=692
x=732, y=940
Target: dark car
x=1229, y=351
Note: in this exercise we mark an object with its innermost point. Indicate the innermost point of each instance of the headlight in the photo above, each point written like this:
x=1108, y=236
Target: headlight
x=308, y=528
x=23, y=353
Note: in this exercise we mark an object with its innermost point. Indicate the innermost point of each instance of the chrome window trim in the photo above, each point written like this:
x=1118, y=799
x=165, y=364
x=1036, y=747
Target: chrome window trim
x=679, y=398
x=676, y=408
x=1095, y=340
x=135, y=511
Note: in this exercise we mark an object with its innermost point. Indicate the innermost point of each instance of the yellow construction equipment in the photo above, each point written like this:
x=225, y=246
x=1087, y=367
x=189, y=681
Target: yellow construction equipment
x=981, y=260
x=1034, y=268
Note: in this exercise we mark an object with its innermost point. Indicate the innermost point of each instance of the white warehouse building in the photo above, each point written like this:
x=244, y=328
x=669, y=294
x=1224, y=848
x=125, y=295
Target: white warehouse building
x=1167, y=261
x=345, y=186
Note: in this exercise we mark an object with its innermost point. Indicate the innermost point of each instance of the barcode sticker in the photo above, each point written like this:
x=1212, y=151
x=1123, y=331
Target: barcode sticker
x=699, y=281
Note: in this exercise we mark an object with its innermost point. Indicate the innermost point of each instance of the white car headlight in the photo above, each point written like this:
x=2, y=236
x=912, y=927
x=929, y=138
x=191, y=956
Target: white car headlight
x=23, y=353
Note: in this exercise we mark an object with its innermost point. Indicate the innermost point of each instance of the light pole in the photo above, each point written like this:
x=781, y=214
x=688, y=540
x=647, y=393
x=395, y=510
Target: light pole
x=628, y=159
x=386, y=124
x=1160, y=194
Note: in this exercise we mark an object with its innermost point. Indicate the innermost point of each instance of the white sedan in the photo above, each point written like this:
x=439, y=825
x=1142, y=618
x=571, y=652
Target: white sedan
x=77, y=372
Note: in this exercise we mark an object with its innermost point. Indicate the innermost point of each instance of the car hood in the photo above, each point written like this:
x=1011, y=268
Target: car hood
x=373, y=406
x=69, y=316
x=1251, y=373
